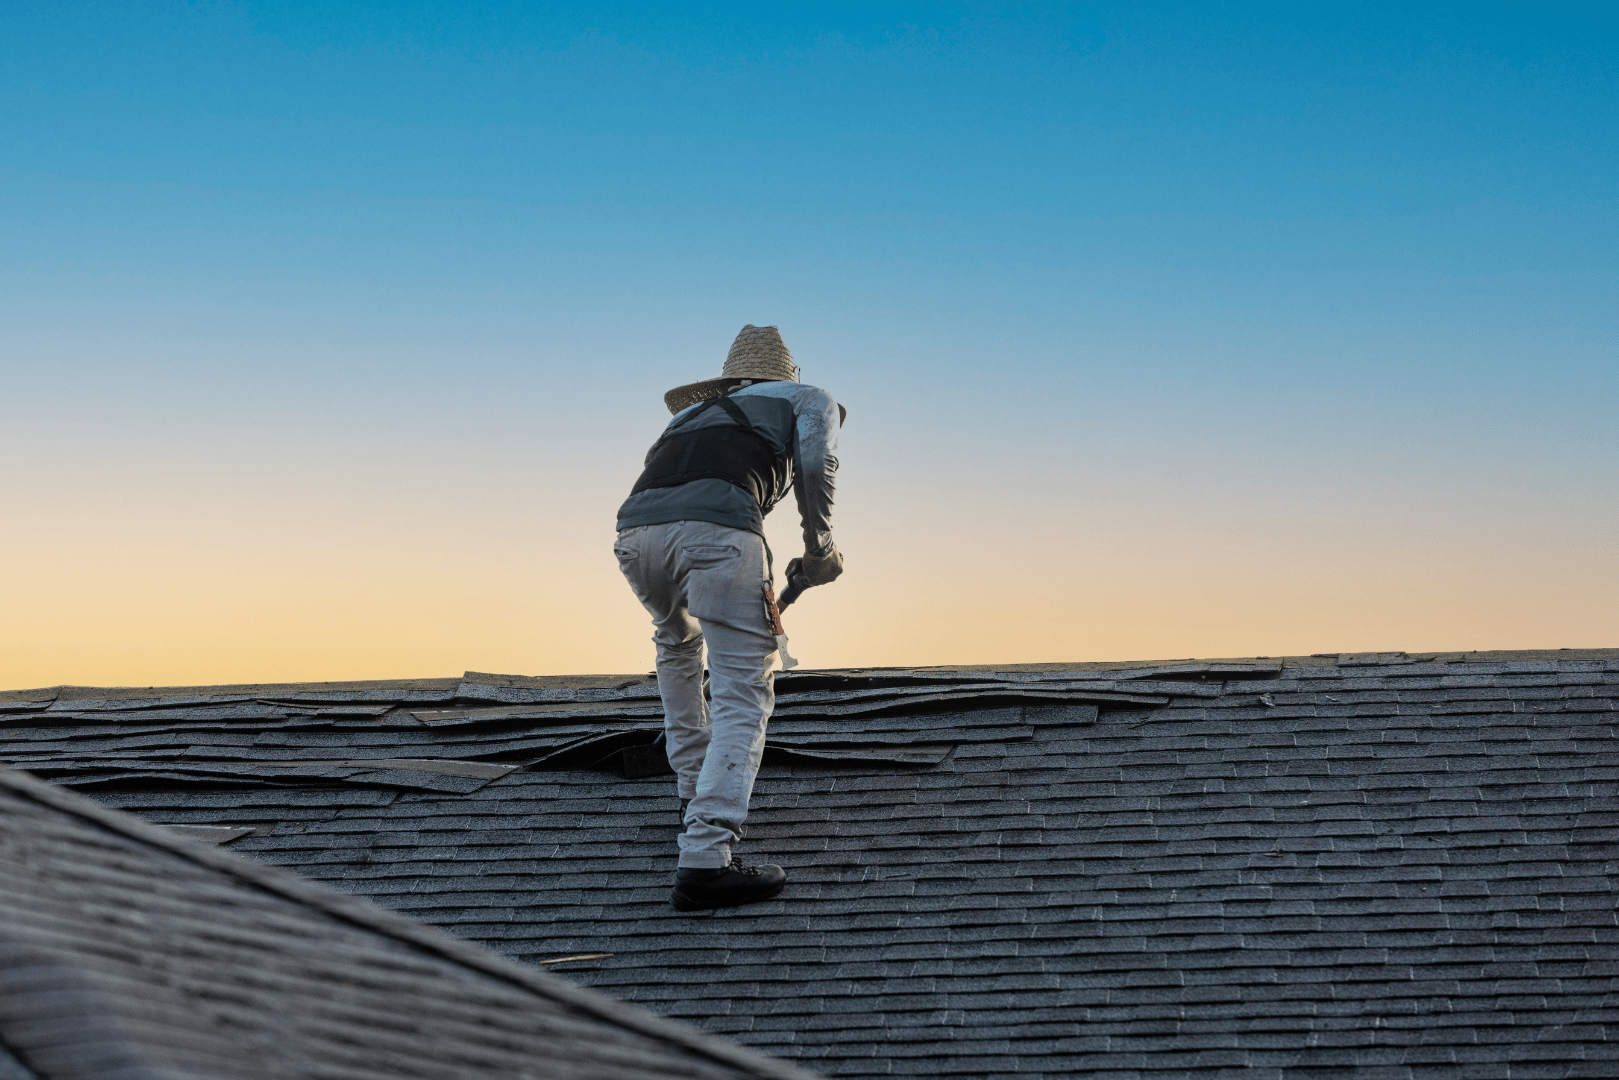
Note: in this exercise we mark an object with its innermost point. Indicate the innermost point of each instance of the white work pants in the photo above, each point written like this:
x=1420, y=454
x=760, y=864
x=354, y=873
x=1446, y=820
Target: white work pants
x=705, y=583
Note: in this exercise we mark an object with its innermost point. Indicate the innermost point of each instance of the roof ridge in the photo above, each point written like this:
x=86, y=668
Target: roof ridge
x=366, y=915
x=1334, y=659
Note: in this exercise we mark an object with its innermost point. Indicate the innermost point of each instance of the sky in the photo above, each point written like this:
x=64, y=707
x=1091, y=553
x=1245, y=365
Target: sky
x=332, y=335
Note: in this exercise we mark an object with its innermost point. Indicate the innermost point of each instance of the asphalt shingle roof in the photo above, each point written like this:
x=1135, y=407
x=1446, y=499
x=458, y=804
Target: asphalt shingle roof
x=128, y=953
x=1373, y=865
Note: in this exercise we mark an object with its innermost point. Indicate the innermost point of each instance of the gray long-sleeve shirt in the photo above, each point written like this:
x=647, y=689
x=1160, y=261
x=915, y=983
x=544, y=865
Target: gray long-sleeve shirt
x=809, y=441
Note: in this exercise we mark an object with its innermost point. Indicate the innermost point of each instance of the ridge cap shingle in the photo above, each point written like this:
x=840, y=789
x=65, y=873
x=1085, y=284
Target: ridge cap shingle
x=478, y=678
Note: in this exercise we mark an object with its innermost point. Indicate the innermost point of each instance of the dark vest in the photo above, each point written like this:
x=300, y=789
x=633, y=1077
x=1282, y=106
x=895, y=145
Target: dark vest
x=732, y=452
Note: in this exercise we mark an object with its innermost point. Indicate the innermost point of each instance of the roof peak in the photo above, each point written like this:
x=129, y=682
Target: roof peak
x=1340, y=659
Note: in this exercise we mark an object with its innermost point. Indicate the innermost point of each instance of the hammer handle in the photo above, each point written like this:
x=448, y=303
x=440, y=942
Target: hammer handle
x=795, y=585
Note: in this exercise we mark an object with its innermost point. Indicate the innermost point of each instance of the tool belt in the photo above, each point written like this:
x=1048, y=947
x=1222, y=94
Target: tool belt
x=735, y=453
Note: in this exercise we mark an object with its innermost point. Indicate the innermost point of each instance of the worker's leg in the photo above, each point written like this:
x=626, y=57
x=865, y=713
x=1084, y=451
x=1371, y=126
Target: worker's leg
x=647, y=555
x=725, y=576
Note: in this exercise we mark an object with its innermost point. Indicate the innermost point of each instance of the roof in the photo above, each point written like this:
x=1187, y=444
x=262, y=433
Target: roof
x=128, y=952
x=1394, y=864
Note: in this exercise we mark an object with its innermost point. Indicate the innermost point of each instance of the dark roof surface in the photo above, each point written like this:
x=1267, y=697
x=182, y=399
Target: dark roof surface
x=1378, y=865
x=128, y=953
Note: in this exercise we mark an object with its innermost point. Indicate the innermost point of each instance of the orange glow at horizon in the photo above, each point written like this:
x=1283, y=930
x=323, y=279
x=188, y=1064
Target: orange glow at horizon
x=159, y=589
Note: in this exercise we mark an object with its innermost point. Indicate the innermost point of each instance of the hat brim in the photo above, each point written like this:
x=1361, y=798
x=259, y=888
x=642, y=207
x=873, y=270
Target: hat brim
x=684, y=397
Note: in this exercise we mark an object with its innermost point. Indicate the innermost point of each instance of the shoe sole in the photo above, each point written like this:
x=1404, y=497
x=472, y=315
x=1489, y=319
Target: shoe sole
x=682, y=902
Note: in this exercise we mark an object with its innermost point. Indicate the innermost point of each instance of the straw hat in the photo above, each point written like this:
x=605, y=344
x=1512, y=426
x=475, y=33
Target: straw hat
x=757, y=355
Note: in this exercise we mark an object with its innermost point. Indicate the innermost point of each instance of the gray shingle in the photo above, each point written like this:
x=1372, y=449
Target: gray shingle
x=1371, y=852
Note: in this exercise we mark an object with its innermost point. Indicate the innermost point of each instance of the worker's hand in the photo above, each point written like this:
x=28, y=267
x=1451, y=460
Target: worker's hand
x=822, y=569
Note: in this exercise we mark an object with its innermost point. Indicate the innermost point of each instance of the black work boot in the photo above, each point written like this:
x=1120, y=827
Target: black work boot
x=699, y=890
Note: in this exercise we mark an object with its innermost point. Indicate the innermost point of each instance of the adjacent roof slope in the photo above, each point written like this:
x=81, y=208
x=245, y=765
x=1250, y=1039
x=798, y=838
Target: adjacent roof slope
x=1378, y=865
x=125, y=952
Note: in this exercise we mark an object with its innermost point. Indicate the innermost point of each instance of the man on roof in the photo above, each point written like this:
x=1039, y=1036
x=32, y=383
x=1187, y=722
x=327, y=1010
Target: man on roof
x=691, y=544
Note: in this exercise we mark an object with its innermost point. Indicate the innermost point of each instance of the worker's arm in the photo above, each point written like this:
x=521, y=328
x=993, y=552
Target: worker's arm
x=815, y=466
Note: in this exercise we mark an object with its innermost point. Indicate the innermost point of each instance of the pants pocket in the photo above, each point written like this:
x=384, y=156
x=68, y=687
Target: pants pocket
x=709, y=556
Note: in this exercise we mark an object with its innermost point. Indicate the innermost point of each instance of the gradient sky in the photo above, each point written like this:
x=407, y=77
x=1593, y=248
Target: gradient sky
x=331, y=336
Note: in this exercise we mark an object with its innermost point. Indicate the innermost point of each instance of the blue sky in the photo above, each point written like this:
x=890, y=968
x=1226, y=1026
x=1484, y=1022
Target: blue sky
x=1347, y=264
x=1125, y=176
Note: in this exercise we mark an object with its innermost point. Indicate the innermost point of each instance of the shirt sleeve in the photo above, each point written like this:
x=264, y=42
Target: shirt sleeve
x=815, y=465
